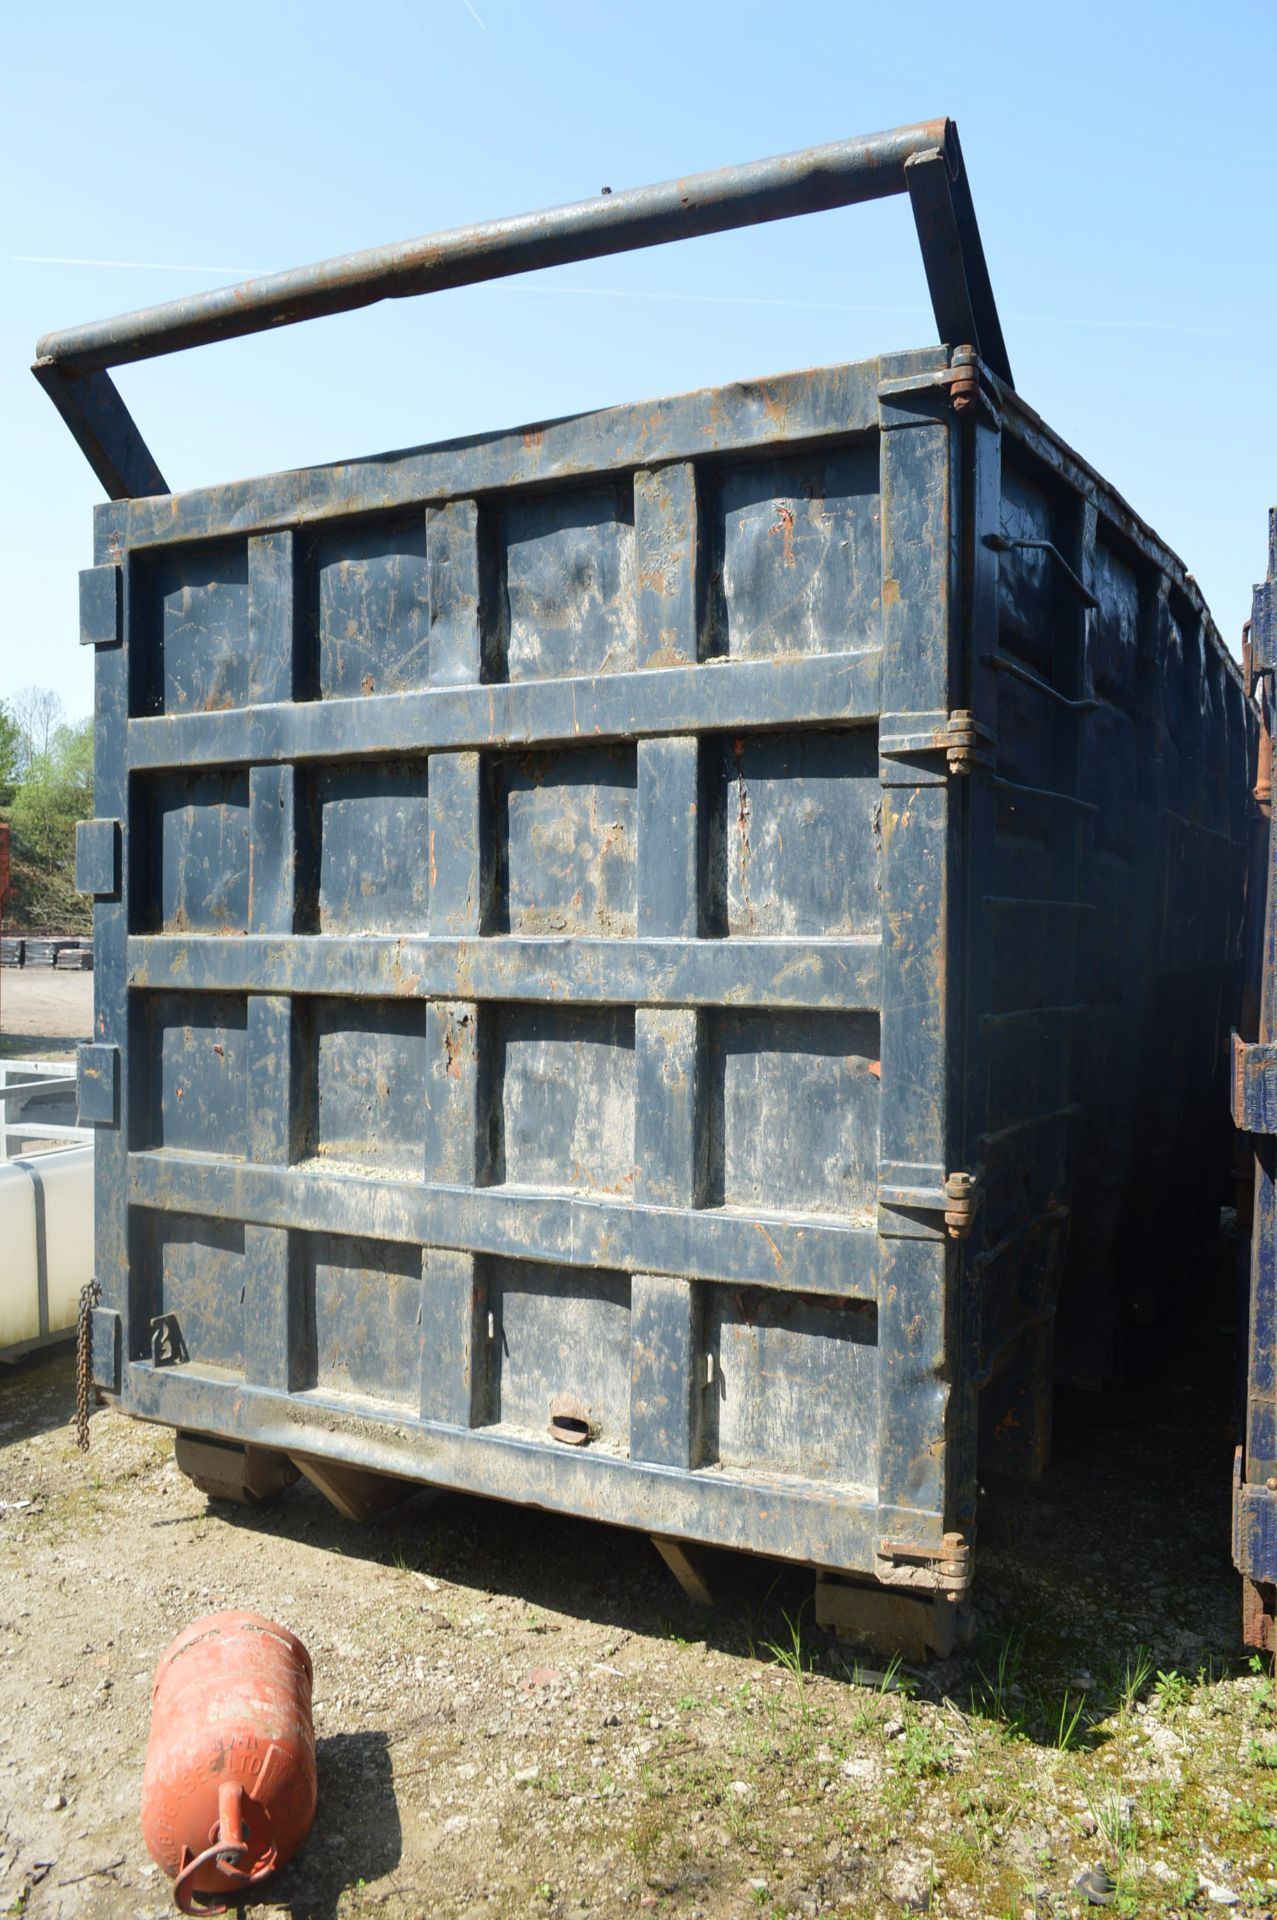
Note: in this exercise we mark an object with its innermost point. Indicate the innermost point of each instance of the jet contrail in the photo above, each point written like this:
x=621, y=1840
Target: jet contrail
x=147, y=266
x=518, y=285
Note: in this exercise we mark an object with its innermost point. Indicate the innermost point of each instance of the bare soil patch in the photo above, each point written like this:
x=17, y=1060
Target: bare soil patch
x=521, y=1714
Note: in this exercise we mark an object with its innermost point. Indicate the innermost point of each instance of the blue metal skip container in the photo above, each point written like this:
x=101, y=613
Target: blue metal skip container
x=672, y=965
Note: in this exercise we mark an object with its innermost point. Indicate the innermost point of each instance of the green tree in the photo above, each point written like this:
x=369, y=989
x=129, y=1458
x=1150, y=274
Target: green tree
x=54, y=790
x=10, y=749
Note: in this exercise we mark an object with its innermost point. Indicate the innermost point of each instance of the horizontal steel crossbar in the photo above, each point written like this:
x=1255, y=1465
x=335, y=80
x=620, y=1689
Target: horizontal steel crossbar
x=808, y=973
x=835, y=689
x=923, y=160
x=800, y=1255
x=839, y=174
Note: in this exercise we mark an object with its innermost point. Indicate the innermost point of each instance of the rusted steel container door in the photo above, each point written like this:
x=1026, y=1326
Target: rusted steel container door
x=513, y=1051
x=1255, y=1113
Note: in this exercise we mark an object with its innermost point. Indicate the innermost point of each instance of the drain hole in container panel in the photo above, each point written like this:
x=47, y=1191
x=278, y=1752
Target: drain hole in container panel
x=570, y=1421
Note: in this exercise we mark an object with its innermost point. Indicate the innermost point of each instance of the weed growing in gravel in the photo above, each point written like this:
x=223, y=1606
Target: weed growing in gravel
x=1261, y=1753
x=1162, y=1801
x=1068, y=1729
x=1171, y=1691
x=793, y=1656
x=1259, y=1750
x=997, y=1695
x=893, y=1680
x=1112, y=1816
x=924, y=1751
x=1127, y=1686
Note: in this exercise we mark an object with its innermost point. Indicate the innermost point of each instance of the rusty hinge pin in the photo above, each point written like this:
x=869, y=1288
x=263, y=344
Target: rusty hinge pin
x=964, y=386
x=968, y=743
x=961, y=1192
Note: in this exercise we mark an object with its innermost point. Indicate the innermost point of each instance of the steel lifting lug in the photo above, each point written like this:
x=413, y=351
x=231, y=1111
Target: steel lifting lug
x=167, y=1345
x=961, y=1193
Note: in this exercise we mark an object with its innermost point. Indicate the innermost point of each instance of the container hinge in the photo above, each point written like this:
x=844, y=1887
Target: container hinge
x=962, y=1197
x=921, y=1189
x=946, y=1569
x=968, y=742
x=1254, y=1087
x=965, y=742
x=969, y=392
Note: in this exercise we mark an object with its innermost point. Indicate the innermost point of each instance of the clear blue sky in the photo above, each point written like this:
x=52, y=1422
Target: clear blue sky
x=1123, y=159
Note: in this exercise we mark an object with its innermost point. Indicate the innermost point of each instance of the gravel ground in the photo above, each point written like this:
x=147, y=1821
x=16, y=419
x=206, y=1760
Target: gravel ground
x=42, y=1010
x=521, y=1714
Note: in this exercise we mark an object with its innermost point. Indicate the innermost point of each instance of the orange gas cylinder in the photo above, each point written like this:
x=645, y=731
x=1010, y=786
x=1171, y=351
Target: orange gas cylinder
x=229, y=1789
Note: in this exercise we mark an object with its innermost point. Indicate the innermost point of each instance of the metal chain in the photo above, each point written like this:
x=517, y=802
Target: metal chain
x=89, y=1297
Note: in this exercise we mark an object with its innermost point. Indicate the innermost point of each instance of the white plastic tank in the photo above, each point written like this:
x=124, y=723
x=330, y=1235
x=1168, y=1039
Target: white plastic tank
x=44, y=1199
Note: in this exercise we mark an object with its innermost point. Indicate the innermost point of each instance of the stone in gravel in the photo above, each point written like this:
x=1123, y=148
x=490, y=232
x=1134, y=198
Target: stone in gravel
x=55, y=1803
x=540, y=1677
x=909, y=1880
x=1218, y=1895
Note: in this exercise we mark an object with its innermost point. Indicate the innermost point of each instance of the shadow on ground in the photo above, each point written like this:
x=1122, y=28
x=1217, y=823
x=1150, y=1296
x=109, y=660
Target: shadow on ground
x=34, y=1046
x=357, y=1838
x=37, y=1393
x=1115, y=1565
